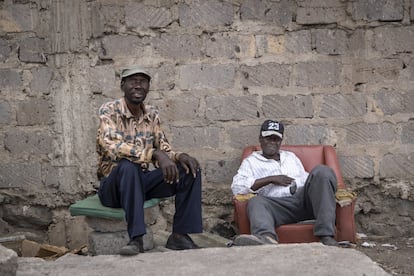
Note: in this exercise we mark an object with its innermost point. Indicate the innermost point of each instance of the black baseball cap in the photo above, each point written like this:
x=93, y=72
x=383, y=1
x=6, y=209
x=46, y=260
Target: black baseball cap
x=270, y=127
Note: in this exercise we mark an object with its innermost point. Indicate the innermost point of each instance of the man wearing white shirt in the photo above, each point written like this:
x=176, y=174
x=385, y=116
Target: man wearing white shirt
x=286, y=193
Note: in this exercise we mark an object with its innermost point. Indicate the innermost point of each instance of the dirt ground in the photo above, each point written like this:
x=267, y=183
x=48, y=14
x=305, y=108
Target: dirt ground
x=394, y=255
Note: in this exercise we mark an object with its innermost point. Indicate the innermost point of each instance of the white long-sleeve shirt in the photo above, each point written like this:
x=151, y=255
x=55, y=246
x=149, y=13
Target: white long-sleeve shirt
x=257, y=166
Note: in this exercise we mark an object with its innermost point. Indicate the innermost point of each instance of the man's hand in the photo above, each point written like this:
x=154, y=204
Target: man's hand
x=282, y=180
x=168, y=167
x=190, y=164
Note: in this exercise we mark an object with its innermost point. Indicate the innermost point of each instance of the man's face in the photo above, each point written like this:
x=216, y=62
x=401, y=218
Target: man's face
x=135, y=88
x=270, y=145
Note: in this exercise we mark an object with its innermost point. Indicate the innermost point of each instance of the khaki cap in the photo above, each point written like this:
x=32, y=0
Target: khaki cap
x=134, y=69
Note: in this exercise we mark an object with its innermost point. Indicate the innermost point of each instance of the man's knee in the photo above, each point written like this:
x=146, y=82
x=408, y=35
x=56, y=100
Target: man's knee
x=324, y=171
x=254, y=203
x=126, y=166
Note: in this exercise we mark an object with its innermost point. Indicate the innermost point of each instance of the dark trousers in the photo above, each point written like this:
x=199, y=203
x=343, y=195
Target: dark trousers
x=316, y=200
x=128, y=187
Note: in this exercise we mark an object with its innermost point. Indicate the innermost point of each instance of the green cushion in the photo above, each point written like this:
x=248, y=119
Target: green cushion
x=92, y=207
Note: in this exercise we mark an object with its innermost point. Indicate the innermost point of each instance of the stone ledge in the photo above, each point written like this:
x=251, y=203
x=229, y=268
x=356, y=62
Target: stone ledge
x=8, y=261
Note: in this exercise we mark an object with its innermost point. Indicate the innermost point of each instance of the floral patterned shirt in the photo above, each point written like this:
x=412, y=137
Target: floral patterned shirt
x=121, y=135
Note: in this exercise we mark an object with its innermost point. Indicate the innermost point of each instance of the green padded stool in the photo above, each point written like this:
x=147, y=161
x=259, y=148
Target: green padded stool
x=92, y=207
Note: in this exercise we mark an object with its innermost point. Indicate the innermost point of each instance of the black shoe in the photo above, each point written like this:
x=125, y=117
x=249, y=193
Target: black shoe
x=134, y=247
x=328, y=240
x=180, y=242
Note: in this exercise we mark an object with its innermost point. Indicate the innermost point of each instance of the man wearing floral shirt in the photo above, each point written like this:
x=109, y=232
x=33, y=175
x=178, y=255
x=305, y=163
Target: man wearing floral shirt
x=129, y=139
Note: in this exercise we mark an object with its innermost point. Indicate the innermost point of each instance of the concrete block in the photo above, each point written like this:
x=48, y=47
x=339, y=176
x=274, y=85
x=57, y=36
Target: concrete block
x=41, y=79
x=221, y=171
x=112, y=17
x=378, y=10
x=394, y=40
x=21, y=143
x=299, y=106
x=225, y=45
x=208, y=137
x=407, y=133
x=363, y=134
x=356, y=166
x=412, y=11
x=391, y=101
x=10, y=79
x=5, y=113
x=185, y=107
x=117, y=45
x=241, y=136
x=269, y=44
x=164, y=77
x=150, y=17
x=110, y=243
x=267, y=74
x=226, y=108
x=318, y=74
x=298, y=42
x=5, y=49
x=24, y=17
x=116, y=225
x=18, y=175
x=340, y=105
x=8, y=261
x=306, y=135
x=377, y=70
x=320, y=15
x=106, y=225
x=206, y=76
x=33, y=49
x=205, y=14
x=280, y=12
x=320, y=3
x=102, y=80
x=330, y=41
x=28, y=216
x=33, y=112
x=397, y=166
x=61, y=178
x=178, y=46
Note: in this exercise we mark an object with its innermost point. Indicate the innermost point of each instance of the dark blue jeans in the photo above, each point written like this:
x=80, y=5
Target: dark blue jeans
x=128, y=187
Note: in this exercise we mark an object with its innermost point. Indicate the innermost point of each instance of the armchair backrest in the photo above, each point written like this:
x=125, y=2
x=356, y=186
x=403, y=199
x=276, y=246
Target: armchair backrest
x=310, y=155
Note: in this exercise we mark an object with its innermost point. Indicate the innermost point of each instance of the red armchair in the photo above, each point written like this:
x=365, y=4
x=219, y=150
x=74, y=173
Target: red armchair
x=310, y=155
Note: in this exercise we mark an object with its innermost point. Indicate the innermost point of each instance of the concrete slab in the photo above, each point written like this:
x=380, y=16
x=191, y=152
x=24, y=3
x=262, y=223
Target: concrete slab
x=283, y=259
x=8, y=261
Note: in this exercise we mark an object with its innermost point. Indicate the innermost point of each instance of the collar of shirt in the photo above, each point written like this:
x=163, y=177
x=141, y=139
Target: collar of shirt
x=259, y=155
x=124, y=110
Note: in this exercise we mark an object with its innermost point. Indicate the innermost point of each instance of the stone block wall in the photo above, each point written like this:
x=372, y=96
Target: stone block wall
x=336, y=72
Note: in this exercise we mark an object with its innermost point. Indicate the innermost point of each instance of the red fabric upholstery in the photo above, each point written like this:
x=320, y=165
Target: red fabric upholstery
x=310, y=155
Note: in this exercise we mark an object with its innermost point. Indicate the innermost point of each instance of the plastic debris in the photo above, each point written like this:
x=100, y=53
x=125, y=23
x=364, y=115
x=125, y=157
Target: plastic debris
x=361, y=236
x=391, y=246
x=367, y=244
